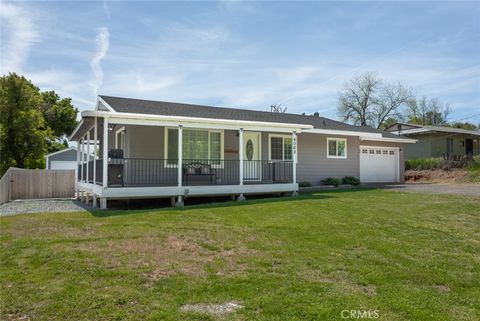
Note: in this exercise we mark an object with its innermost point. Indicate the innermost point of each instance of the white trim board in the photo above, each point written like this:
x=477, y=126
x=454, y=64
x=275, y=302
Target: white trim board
x=167, y=191
x=390, y=140
x=342, y=132
x=161, y=120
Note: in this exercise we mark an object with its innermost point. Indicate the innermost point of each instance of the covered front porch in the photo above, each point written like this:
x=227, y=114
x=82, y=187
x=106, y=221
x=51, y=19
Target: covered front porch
x=146, y=158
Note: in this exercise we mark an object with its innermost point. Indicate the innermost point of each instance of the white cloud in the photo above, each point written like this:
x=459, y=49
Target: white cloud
x=18, y=34
x=103, y=42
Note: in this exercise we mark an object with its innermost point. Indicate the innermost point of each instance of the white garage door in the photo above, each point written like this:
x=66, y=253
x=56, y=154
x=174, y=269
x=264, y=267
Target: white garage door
x=379, y=164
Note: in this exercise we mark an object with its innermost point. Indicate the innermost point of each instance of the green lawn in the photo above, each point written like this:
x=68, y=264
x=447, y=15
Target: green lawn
x=409, y=256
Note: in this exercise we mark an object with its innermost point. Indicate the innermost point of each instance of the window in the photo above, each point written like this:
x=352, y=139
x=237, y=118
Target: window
x=198, y=144
x=336, y=148
x=280, y=147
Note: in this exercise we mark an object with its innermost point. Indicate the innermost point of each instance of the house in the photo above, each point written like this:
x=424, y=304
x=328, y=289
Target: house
x=163, y=149
x=437, y=141
x=65, y=159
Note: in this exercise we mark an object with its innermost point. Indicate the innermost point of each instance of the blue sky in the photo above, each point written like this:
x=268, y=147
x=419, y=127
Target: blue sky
x=244, y=54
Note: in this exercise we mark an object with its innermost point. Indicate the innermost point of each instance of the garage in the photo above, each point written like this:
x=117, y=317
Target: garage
x=379, y=164
x=63, y=165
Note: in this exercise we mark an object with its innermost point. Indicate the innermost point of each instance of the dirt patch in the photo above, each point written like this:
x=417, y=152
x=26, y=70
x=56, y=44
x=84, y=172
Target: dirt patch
x=442, y=288
x=17, y=317
x=214, y=309
x=163, y=257
x=455, y=175
x=340, y=279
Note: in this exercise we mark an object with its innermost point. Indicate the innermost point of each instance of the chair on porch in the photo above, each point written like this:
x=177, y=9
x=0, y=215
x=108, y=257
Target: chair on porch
x=198, y=170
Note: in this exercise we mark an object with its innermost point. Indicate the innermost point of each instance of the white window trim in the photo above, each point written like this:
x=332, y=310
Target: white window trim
x=336, y=152
x=270, y=136
x=222, y=149
x=118, y=131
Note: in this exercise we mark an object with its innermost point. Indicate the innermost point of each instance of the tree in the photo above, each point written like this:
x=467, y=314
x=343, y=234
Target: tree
x=427, y=112
x=465, y=125
x=22, y=128
x=59, y=114
x=357, y=98
x=32, y=123
x=369, y=101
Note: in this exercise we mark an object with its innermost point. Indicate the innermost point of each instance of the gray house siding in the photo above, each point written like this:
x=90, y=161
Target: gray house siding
x=314, y=166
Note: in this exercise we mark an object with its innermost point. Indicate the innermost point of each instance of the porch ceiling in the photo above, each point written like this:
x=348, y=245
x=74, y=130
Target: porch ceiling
x=85, y=124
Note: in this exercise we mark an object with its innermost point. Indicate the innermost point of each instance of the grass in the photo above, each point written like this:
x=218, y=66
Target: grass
x=409, y=256
x=474, y=171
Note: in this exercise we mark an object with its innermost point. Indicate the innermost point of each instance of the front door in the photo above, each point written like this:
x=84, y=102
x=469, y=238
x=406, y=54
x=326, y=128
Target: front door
x=252, y=167
x=469, y=146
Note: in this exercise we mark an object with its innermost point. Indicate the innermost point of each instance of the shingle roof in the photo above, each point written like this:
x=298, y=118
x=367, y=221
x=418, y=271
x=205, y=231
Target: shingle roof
x=140, y=106
x=430, y=128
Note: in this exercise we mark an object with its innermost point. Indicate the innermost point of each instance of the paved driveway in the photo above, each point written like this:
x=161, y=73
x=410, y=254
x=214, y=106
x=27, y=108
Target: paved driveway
x=458, y=189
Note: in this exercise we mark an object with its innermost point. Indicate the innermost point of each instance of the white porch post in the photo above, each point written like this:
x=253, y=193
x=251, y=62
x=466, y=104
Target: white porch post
x=88, y=156
x=95, y=139
x=77, y=170
x=240, y=154
x=103, y=200
x=179, y=164
x=180, y=154
x=240, y=159
x=82, y=158
x=105, y=153
x=294, y=157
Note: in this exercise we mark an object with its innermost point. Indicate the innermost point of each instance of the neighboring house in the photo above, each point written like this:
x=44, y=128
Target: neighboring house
x=163, y=149
x=64, y=159
x=437, y=141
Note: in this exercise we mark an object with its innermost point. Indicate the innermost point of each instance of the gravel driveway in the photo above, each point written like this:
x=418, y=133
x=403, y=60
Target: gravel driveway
x=458, y=189
x=42, y=206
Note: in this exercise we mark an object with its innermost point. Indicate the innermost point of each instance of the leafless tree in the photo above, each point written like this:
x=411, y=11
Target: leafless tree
x=277, y=108
x=389, y=100
x=357, y=98
x=369, y=101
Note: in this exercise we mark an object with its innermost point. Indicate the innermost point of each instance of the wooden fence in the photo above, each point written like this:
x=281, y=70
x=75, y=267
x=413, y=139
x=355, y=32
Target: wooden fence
x=20, y=183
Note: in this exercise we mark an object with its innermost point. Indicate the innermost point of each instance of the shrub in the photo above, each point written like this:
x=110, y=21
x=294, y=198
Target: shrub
x=305, y=184
x=350, y=180
x=424, y=163
x=474, y=171
x=331, y=181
